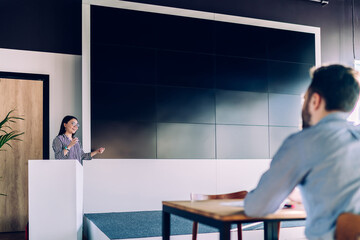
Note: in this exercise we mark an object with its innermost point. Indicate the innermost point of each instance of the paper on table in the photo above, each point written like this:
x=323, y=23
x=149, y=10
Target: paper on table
x=239, y=203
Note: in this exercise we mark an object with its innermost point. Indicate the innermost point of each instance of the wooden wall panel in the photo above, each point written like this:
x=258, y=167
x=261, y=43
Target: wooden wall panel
x=26, y=96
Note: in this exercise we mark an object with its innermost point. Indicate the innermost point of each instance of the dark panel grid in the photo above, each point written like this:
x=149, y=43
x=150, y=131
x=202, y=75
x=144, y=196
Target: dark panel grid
x=155, y=76
x=284, y=110
x=124, y=140
x=240, y=40
x=122, y=102
x=187, y=141
x=185, y=34
x=247, y=142
x=234, y=107
x=123, y=64
x=185, y=105
x=185, y=69
x=288, y=78
x=241, y=74
x=124, y=27
x=291, y=46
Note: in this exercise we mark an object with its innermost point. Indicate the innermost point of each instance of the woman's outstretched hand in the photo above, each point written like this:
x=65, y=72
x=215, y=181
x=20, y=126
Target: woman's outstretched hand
x=97, y=151
x=100, y=150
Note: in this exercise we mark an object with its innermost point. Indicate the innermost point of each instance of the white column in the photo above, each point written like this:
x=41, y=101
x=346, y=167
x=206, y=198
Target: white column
x=55, y=200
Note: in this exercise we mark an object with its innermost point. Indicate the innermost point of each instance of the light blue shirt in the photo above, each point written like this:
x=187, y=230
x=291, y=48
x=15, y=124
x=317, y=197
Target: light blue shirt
x=324, y=162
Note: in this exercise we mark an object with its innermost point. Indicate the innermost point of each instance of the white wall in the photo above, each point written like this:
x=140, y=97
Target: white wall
x=55, y=200
x=120, y=185
x=127, y=184
x=64, y=84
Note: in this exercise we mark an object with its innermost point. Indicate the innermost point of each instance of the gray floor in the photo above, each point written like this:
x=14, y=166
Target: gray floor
x=12, y=236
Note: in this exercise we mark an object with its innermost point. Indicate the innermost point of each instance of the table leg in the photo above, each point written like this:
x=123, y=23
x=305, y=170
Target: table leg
x=271, y=230
x=165, y=225
x=225, y=231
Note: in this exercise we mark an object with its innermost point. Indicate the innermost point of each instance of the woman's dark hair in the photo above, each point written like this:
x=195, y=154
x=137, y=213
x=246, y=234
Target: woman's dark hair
x=338, y=85
x=66, y=119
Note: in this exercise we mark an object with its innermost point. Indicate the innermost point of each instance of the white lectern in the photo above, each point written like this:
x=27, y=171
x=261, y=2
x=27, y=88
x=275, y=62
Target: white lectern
x=55, y=200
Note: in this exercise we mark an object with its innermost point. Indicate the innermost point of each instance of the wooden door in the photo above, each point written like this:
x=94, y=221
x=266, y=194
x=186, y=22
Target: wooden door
x=26, y=96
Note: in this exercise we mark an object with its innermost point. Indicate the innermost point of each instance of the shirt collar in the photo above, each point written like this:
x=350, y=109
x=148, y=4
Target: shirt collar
x=334, y=116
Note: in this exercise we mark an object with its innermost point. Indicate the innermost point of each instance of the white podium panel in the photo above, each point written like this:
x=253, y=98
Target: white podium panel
x=55, y=200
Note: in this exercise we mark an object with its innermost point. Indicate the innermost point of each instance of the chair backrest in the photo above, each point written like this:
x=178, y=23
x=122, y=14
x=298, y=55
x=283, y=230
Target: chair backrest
x=233, y=195
x=348, y=227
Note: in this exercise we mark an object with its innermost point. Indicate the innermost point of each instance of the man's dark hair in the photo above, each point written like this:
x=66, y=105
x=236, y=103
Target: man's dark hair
x=338, y=85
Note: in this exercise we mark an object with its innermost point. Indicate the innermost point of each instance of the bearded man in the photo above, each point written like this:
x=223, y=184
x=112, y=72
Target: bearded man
x=322, y=160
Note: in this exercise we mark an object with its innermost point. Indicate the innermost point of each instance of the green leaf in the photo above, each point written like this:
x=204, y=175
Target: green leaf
x=13, y=135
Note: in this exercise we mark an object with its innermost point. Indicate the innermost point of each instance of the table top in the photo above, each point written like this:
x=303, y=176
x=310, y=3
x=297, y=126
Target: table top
x=216, y=210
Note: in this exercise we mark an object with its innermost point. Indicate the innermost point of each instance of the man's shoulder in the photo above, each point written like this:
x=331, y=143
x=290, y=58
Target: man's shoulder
x=305, y=137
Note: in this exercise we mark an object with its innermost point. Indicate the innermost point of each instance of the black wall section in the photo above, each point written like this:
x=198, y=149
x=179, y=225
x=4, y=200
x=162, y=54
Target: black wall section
x=166, y=86
x=55, y=26
x=41, y=25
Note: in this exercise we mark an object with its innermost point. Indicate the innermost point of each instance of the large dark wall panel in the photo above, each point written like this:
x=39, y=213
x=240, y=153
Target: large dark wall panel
x=41, y=25
x=55, y=26
x=197, y=89
x=234, y=73
x=238, y=142
x=236, y=107
x=291, y=46
x=125, y=139
x=185, y=105
x=251, y=45
x=121, y=64
x=123, y=102
x=279, y=74
x=190, y=141
x=284, y=110
x=185, y=69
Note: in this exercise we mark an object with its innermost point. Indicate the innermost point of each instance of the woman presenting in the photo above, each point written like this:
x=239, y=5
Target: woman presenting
x=66, y=146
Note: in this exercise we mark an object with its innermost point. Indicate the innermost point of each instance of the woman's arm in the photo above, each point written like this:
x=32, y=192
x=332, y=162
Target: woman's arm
x=97, y=151
x=60, y=153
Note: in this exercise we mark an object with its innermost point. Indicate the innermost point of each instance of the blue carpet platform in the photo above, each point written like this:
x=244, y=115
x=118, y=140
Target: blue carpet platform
x=128, y=225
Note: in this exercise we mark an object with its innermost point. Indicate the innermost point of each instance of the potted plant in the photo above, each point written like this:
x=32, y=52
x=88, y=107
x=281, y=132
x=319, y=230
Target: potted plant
x=7, y=134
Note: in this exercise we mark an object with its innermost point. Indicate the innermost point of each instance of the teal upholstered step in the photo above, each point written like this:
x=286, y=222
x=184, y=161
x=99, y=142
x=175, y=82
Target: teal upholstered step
x=125, y=225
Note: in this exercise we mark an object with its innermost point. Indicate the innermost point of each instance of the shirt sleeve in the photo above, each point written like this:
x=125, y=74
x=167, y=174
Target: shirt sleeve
x=85, y=156
x=276, y=183
x=58, y=149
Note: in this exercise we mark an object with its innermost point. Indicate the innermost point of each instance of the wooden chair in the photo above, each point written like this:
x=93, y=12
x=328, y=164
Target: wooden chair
x=348, y=227
x=234, y=195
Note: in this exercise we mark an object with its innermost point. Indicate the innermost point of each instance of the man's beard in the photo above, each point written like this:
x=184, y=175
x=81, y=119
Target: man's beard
x=306, y=116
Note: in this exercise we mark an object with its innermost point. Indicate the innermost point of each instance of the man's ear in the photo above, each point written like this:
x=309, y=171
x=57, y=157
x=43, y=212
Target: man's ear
x=315, y=101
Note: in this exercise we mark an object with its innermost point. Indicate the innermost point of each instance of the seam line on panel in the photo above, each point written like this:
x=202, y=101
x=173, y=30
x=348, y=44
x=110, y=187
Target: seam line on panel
x=156, y=105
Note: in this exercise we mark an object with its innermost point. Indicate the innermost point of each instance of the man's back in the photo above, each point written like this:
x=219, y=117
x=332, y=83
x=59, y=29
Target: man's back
x=324, y=161
x=332, y=182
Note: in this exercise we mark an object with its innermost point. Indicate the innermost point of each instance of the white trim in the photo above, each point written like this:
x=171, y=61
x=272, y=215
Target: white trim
x=202, y=15
x=264, y=23
x=86, y=81
x=170, y=11
x=151, y=8
x=318, y=48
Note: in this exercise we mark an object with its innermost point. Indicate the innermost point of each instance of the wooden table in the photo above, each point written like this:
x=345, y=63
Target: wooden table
x=213, y=213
